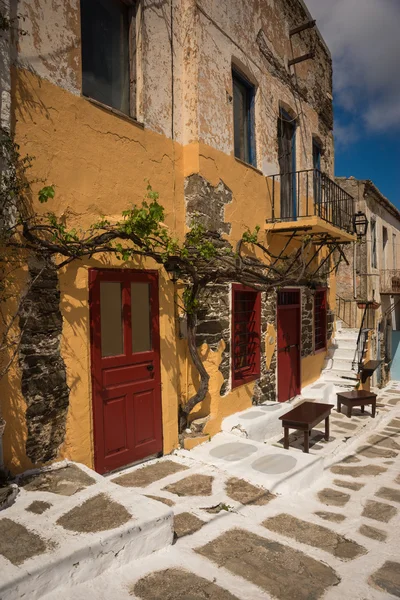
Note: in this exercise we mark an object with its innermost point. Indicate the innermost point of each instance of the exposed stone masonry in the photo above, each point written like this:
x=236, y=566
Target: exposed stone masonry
x=43, y=379
x=206, y=204
x=307, y=325
x=214, y=325
x=265, y=387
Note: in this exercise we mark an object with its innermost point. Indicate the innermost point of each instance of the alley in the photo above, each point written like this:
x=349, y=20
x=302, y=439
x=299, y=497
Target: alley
x=336, y=539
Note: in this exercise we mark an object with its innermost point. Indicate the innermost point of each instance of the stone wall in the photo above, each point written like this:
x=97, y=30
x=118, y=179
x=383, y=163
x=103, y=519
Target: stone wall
x=307, y=322
x=43, y=380
x=265, y=387
x=214, y=324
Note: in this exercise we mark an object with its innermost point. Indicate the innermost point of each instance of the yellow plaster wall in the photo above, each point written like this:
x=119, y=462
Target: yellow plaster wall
x=100, y=165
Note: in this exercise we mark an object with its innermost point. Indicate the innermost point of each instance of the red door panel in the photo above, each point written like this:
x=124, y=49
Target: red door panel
x=126, y=378
x=288, y=345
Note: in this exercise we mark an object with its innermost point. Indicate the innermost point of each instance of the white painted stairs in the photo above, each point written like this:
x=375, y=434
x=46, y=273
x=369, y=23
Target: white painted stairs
x=338, y=369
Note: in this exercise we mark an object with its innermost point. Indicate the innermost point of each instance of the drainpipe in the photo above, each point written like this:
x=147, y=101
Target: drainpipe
x=354, y=270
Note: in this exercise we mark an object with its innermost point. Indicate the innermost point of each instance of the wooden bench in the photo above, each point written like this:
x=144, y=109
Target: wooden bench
x=304, y=417
x=356, y=398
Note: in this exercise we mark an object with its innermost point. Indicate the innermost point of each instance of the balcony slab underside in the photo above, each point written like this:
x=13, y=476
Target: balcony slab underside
x=311, y=225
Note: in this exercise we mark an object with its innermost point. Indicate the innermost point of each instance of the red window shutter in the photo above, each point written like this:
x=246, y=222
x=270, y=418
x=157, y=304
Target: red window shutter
x=246, y=334
x=320, y=315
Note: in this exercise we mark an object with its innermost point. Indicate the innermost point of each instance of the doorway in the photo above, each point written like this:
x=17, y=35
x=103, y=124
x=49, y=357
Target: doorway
x=289, y=314
x=287, y=165
x=126, y=379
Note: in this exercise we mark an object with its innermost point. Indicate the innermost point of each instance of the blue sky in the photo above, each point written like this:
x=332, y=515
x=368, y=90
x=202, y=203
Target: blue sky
x=364, y=39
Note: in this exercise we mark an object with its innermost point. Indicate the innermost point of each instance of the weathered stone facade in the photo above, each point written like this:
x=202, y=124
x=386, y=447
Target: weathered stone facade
x=265, y=387
x=307, y=322
x=214, y=325
x=205, y=203
x=44, y=385
x=374, y=263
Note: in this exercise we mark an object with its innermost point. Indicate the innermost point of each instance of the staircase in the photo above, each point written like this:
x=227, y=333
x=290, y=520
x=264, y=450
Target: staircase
x=339, y=369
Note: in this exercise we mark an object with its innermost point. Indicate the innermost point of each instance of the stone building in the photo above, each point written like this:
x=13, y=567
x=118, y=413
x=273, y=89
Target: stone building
x=226, y=108
x=373, y=274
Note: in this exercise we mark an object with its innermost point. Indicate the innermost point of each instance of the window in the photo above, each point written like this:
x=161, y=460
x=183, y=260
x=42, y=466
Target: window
x=385, y=238
x=317, y=152
x=106, y=51
x=243, y=119
x=374, y=261
x=246, y=334
x=320, y=320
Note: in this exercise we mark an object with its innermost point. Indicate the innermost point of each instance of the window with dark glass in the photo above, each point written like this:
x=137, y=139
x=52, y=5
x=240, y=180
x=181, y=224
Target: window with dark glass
x=243, y=119
x=374, y=258
x=246, y=333
x=105, y=40
x=320, y=320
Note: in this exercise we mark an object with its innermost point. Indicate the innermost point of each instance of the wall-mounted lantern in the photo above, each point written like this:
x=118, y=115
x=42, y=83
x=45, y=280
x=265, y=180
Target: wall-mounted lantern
x=173, y=269
x=360, y=224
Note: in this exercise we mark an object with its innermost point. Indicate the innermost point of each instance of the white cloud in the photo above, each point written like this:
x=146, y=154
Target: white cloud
x=364, y=38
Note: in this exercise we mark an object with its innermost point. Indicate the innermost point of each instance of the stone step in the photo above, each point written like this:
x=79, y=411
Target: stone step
x=346, y=373
x=346, y=344
x=337, y=380
x=81, y=535
x=346, y=354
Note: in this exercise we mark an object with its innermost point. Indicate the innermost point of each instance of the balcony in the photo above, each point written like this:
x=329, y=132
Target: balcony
x=309, y=200
x=390, y=281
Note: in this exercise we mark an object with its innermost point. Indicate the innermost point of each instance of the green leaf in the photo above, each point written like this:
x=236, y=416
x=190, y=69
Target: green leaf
x=47, y=192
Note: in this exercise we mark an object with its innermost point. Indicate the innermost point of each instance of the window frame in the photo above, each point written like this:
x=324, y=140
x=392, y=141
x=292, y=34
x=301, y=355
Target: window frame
x=323, y=348
x=238, y=378
x=133, y=8
x=250, y=108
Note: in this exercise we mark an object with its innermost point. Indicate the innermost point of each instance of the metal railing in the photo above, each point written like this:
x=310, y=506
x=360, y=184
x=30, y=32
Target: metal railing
x=309, y=193
x=346, y=311
x=367, y=323
x=390, y=281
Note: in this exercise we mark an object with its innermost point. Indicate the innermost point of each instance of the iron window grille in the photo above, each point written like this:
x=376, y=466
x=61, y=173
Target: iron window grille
x=320, y=320
x=246, y=334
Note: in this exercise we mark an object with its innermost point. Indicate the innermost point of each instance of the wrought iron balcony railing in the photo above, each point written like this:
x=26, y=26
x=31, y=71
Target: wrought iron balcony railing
x=390, y=281
x=310, y=193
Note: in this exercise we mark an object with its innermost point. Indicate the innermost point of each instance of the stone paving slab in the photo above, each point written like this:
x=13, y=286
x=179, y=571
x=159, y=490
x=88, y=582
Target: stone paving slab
x=267, y=564
x=350, y=485
x=193, y=485
x=66, y=481
x=315, y=535
x=244, y=492
x=186, y=524
x=387, y=578
x=144, y=476
x=362, y=471
x=373, y=533
x=99, y=513
x=330, y=516
x=176, y=584
x=332, y=497
x=18, y=543
x=379, y=511
x=388, y=494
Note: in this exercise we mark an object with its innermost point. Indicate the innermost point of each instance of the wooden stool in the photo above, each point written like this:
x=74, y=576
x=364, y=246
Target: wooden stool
x=304, y=417
x=356, y=398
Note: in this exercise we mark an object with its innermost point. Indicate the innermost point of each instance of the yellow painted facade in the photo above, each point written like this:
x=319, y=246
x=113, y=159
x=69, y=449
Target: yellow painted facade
x=100, y=164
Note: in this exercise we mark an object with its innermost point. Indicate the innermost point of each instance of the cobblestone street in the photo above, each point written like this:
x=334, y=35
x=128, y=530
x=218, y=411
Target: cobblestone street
x=338, y=539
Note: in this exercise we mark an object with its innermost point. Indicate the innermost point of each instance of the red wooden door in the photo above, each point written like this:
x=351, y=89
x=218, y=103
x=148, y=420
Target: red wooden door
x=288, y=344
x=126, y=379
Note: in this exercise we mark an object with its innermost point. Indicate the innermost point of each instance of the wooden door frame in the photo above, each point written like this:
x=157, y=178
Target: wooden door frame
x=118, y=275
x=299, y=291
